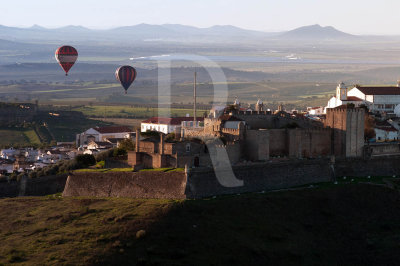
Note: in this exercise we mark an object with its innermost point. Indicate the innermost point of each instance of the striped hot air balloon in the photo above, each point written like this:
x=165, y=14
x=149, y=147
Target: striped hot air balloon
x=126, y=75
x=66, y=57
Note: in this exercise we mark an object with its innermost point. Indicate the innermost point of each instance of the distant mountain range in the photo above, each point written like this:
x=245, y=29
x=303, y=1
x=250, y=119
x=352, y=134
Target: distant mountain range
x=316, y=32
x=166, y=32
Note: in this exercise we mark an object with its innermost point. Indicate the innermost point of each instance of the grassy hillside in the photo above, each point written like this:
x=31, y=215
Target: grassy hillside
x=128, y=111
x=354, y=224
x=18, y=136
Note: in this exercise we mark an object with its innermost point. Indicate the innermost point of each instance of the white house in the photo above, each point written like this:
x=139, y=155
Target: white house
x=376, y=98
x=103, y=133
x=384, y=131
x=315, y=110
x=166, y=125
x=342, y=97
x=8, y=153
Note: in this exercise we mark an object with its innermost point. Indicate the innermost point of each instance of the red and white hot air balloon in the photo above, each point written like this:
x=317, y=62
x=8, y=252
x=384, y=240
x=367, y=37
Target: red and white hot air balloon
x=66, y=57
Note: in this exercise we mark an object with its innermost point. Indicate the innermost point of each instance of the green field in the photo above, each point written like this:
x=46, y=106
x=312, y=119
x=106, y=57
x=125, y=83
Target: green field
x=18, y=137
x=347, y=224
x=128, y=111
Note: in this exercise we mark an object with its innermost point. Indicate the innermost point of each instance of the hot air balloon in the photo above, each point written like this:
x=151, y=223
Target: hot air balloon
x=126, y=75
x=66, y=57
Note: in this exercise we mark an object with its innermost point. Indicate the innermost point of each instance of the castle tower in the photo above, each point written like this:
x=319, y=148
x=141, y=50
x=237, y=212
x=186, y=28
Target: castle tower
x=341, y=92
x=348, y=130
x=259, y=106
x=236, y=103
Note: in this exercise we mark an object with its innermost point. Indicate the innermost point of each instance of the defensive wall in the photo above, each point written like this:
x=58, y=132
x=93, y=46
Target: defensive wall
x=265, y=119
x=202, y=182
x=145, y=184
x=40, y=186
x=382, y=149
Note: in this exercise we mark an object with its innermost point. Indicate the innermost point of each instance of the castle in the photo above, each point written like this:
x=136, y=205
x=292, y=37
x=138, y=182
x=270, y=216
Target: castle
x=255, y=136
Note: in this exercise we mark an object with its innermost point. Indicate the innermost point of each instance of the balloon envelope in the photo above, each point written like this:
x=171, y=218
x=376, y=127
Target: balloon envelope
x=126, y=75
x=66, y=57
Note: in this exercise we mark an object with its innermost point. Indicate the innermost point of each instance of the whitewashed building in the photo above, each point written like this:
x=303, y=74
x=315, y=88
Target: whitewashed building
x=166, y=125
x=8, y=153
x=376, y=98
x=385, y=131
x=315, y=110
x=103, y=133
x=342, y=97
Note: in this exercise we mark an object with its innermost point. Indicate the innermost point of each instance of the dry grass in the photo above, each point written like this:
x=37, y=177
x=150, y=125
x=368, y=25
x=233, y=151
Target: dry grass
x=350, y=224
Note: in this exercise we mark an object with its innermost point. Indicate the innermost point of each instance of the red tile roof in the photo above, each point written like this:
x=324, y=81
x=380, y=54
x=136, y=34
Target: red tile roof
x=388, y=90
x=170, y=121
x=386, y=126
x=113, y=129
x=353, y=99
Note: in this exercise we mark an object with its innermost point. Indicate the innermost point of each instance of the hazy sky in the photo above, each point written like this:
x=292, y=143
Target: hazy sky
x=353, y=16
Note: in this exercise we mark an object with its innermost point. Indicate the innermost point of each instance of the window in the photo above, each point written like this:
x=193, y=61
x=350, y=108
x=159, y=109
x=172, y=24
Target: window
x=188, y=147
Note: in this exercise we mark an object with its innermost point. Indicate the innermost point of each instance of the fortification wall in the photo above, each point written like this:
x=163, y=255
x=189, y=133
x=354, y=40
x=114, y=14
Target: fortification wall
x=384, y=148
x=355, y=132
x=278, y=142
x=378, y=166
x=309, y=143
x=257, y=177
x=267, y=120
x=348, y=135
x=40, y=186
x=127, y=184
x=202, y=182
x=257, y=145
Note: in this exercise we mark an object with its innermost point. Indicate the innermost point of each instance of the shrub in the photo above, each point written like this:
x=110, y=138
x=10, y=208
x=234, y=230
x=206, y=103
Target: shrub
x=100, y=164
x=32, y=174
x=40, y=173
x=119, y=152
x=127, y=145
x=85, y=160
x=170, y=137
x=13, y=176
x=102, y=156
x=20, y=176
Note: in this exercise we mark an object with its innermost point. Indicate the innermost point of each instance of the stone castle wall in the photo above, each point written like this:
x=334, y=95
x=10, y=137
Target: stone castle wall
x=309, y=143
x=348, y=131
x=257, y=145
x=266, y=120
x=127, y=184
x=201, y=182
x=33, y=187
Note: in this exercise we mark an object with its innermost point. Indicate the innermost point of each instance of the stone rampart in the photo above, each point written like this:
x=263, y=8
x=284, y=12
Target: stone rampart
x=146, y=184
x=40, y=186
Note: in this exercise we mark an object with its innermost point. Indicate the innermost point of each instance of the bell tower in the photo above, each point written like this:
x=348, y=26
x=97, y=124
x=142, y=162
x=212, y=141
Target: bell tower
x=259, y=106
x=341, y=92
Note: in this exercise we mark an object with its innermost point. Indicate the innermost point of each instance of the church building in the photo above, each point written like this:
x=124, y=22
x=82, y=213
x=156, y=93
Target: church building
x=376, y=98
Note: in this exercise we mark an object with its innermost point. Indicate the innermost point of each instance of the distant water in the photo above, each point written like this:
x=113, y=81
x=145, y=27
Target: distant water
x=259, y=59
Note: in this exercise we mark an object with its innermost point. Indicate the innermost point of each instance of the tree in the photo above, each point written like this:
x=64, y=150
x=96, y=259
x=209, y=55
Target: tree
x=119, y=152
x=85, y=160
x=127, y=145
